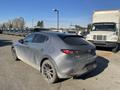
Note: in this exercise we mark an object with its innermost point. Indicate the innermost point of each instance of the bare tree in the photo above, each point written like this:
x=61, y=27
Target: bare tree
x=18, y=23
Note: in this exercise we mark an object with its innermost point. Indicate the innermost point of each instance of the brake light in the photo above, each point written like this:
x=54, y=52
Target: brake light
x=67, y=51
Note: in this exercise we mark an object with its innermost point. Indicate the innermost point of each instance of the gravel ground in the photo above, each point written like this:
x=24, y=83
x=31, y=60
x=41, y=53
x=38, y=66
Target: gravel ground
x=20, y=76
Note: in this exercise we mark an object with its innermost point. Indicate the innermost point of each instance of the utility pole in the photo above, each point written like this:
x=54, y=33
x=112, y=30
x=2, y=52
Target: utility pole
x=57, y=12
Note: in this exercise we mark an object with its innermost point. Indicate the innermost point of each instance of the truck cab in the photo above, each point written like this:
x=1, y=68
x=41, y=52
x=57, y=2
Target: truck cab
x=103, y=34
x=105, y=29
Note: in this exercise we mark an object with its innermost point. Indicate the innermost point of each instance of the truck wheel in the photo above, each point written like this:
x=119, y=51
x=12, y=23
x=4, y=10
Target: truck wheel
x=49, y=72
x=116, y=49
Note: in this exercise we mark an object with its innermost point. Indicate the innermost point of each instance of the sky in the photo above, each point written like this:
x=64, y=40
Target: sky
x=71, y=11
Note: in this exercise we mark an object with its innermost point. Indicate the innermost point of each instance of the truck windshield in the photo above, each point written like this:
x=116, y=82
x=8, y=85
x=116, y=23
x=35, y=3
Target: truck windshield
x=104, y=27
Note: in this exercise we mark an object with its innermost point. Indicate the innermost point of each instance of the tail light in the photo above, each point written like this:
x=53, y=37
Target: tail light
x=78, y=52
x=67, y=51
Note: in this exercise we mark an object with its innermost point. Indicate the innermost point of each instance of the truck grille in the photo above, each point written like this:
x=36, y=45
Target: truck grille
x=99, y=37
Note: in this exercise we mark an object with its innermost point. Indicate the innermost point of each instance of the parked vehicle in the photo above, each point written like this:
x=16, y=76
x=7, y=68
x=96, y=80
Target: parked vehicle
x=56, y=55
x=72, y=32
x=0, y=31
x=105, y=29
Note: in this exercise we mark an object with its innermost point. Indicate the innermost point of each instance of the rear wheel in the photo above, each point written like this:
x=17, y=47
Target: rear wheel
x=14, y=55
x=49, y=72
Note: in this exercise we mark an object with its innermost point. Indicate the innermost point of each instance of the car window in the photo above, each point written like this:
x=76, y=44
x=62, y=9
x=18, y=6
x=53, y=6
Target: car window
x=75, y=40
x=39, y=38
x=29, y=38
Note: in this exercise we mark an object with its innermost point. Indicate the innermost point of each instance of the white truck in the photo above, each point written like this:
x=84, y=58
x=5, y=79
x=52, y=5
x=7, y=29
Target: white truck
x=105, y=29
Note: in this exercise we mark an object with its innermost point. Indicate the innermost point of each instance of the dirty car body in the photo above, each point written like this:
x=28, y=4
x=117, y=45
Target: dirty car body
x=71, y=55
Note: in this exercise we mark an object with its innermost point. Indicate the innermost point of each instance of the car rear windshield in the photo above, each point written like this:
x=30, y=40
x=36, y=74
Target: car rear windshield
x=74, y=40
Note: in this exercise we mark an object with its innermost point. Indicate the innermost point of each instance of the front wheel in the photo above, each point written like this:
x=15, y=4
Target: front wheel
x=49, y=72
x=14, y=55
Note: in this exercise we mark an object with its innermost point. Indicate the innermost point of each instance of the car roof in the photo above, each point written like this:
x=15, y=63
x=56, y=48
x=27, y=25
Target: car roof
x=60, y=34
x=55, y=33
x=51, y=33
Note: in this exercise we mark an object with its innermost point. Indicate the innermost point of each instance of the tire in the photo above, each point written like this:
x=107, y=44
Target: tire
x=49, y=72
x=116, y=49
x=14, y=55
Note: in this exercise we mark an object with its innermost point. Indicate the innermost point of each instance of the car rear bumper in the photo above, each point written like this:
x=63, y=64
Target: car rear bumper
x=87, y=68
x=79, y=68
x=104, y=43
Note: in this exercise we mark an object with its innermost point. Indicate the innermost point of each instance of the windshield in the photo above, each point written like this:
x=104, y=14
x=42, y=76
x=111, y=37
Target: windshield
x=104, y=27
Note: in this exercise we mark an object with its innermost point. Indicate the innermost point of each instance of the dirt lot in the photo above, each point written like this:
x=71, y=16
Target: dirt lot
x=20, y=76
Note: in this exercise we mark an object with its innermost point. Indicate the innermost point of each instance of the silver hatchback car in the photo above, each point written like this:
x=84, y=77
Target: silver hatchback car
x=56, y=55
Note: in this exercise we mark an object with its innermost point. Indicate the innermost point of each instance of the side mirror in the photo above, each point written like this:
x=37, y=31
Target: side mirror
x=21, y=41
x=117, y=33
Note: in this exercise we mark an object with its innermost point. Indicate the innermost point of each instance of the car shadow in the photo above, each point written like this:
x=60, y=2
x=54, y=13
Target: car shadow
x=104, y=49
x=108, y=49
x=102, y=64
x=5, y=43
